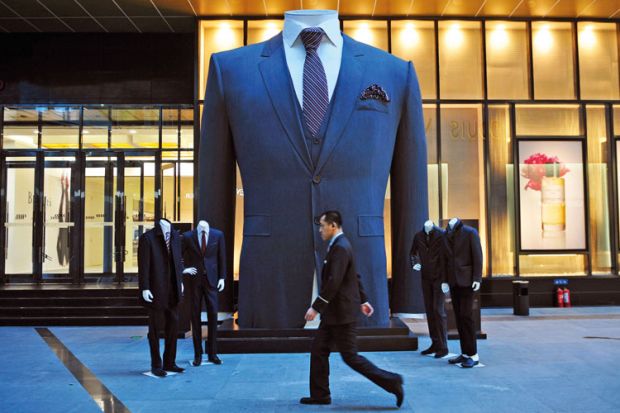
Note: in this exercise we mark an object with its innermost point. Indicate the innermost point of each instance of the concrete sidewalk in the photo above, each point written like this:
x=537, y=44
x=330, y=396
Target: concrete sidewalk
x=556, y=360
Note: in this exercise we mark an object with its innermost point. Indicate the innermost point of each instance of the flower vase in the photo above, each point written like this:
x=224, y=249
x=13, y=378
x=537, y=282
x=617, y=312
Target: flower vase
x=553, y=201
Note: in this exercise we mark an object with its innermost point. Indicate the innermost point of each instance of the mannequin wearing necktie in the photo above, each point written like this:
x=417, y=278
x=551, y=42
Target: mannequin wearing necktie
x=204, y=257
x=160, y=270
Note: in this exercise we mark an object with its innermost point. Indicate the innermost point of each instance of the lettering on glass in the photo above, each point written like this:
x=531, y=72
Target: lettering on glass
x=463, y=130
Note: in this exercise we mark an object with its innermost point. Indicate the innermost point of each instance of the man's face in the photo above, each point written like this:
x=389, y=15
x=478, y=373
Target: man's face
x=327, y=230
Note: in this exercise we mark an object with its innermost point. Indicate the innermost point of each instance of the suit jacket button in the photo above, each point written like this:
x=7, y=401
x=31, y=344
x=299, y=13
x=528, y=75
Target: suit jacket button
x=316, y=141
x=317, y=179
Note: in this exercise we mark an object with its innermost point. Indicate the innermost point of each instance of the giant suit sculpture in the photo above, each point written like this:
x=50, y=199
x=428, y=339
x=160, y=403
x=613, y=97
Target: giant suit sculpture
x=374, y=130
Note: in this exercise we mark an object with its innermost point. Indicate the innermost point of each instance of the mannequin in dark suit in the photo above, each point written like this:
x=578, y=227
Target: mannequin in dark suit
x=341, y=298
x=464, y=275
x=428, y=254
x=159, y=273
x=204, y=256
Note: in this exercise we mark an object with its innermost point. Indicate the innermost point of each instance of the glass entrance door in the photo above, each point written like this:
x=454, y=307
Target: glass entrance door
x=58, y=246
x=119, y=206
x=18, y=212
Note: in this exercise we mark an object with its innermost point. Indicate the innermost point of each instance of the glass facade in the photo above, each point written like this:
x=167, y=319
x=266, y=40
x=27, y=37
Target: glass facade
x=83, y=183
x=490, y=87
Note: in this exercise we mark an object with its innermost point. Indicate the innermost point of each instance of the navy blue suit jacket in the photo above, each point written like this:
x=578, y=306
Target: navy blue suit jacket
x=251, y=118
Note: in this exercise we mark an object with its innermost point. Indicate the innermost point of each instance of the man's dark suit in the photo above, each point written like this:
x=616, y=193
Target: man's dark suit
x=211, y=268
x=160, y=271
x=429, y=250
x=339, y=301
x=463, y=268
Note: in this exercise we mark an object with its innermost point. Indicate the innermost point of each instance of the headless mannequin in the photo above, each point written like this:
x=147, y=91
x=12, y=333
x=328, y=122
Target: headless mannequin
x=165, y=228
x=330, y=50
x=475, y=285
x=445, y=287
x=204, y=226
x=428, y=226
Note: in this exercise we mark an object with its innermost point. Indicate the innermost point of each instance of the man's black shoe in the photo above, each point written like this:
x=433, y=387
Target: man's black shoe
x=441, y=353
x=469, y=363
x=215, y=360
x=428, y=351
x=310, y=400
x=175, y=369
x=399, y=392
x=458, y=359
x=158, y=372
x=197, y=361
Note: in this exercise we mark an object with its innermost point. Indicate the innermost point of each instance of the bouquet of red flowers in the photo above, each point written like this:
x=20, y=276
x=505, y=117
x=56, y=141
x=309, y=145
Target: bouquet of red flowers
x=539, y=166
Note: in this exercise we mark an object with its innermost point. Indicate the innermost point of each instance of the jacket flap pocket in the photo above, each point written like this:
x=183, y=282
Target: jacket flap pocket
x=370, y=225
x=257, y=225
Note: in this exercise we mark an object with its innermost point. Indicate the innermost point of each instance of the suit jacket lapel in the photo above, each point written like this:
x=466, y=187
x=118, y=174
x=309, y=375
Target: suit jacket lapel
x=195, y=242
x=280, y=88
x=346, y=94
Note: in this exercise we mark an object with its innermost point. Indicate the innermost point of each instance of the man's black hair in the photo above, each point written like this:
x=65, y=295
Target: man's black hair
x=332, y=217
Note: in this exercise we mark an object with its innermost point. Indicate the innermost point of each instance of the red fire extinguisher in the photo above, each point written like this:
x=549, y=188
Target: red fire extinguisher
x=566, y=297
x=560, y=297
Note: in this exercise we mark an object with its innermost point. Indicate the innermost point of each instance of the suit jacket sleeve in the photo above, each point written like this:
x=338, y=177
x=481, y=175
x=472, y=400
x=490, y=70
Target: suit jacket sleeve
x=363, y=296
x=336, y=270
x=221, y=257
x=144, y=263
x=413, y=254
x=409, y=192
x=476, y=253
x=217, y=183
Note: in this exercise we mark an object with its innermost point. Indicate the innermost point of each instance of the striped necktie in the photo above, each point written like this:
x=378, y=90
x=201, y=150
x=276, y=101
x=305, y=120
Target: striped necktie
x=167, y=238
x=315, y=96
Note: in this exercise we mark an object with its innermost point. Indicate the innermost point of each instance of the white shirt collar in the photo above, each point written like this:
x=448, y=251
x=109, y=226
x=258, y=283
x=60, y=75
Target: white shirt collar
x=331, y=27
x=334, y=238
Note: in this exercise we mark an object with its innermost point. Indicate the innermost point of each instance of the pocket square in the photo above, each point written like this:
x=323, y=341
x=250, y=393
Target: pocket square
x=376, y=92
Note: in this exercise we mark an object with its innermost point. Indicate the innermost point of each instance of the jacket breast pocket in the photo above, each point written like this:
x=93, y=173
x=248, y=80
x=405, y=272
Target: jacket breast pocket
x=370, y=225
x=373, y=105
x=257, y=226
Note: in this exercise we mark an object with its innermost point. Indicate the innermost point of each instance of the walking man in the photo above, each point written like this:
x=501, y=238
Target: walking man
x=341, y=297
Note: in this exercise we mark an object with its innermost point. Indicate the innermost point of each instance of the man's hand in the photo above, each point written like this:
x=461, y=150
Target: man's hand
x=367, y=309
x=311, y=314
x=220, y=285
x=148, y=297
x=190, y=271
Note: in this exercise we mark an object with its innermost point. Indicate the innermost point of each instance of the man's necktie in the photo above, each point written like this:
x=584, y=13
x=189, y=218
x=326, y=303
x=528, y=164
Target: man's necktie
x=315, y=97
x=203, y=246
x=167, y=238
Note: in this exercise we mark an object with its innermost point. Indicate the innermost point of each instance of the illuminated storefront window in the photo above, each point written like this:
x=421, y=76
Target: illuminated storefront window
x=553, y=59
x=371, y=32
x=598, y=60
x=460, y=60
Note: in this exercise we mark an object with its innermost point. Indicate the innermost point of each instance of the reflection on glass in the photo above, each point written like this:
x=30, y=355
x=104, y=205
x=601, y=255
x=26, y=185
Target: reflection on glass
x=99, y=208
x=139, y=207
x=186, y=170
x=548, y=120
x=598, y=60
x=460, y=60
x=169, y=191
x=501, y=201
x=599, y=224
x=20, y=137
x=507, y=69
x=135, y=137
x=19, y=217
x=262, y=30
x=370, y=32
x=415, y=41
x=170, y=129
x=430, y=127
x=462, y=164
x=545, y=265
x=216, y=36
x=552, y=54
x=57, y=220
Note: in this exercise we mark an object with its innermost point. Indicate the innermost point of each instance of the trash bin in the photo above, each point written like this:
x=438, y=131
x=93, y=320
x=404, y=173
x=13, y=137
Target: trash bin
x=521, y=297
